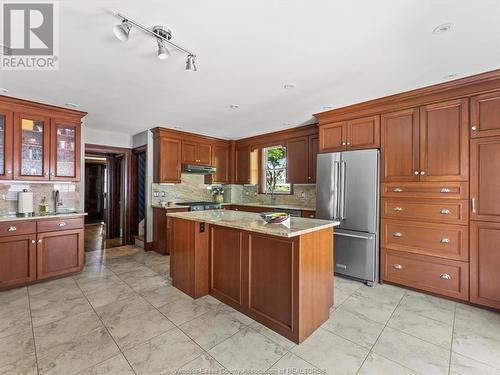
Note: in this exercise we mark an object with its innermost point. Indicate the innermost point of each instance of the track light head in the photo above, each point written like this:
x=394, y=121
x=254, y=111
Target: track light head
x=163, y=52
x=191, y=64
x=122, y=30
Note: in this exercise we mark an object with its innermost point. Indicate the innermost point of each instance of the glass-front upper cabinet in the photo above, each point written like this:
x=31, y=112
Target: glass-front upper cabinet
x=5, y=145
x=31, y=147
x=65, y=151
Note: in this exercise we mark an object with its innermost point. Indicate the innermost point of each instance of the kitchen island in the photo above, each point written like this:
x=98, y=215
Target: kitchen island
x=280, y=275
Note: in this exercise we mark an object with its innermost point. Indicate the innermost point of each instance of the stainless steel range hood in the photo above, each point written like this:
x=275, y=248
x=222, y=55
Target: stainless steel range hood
x=197, y=169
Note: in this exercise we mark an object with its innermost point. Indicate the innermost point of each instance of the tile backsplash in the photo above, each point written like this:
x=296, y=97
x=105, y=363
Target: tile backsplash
x=193, y=188
x=69, y=193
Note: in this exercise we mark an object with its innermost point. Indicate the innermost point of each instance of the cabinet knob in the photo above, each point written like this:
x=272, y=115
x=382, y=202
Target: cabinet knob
x=11, y=229
x=445, y=276
x=348, y=143
x=444, y=211
x=52, y=174
x=46, y=173
x=415, y=173
x=343, y=143
x=474, y=127
x=33, y=241
x=397, y=266
x=62, y=224
x=444, y=190
x=397, y=209
x=9, y=172
x=397, y=234
x=40, y=241
x=422, y=173
x=445, y=240
x=397, y=190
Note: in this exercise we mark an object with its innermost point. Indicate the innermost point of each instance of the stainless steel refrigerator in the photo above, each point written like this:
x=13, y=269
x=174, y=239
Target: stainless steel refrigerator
x=347, y=190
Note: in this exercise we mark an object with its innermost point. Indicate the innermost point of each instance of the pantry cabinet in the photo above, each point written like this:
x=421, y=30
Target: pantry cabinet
x=485, y=115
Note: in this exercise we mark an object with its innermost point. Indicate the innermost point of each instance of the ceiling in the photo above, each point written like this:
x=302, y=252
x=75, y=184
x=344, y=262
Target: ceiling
x=335, y=52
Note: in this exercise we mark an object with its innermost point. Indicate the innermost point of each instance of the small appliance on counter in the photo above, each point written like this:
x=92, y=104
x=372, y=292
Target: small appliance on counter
x=25, y=202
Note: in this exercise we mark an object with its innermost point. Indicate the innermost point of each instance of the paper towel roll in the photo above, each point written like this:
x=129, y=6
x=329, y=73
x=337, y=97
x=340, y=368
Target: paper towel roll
x=24, y=202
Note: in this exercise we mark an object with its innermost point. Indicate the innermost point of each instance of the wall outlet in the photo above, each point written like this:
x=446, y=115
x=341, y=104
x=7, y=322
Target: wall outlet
x=163, y=194
x=303, y=195
x=247, y=193
x=156, y=193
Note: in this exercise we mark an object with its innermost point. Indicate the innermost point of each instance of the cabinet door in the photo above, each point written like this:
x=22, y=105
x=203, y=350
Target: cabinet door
x=220, y=160
x=485, y=179
x=31, y=147
x=444, y=141
x=484, y=264
x=65, y=151
x=333, y=137
x=313, y=153
x=189, y=152
x=400, y=146
x=59, y=253
x=160, y=230
x=6, y=141
x=363, y=133
x=17, y=260
x=204, y=154
x=170, y=160
x=242, y=165
x=297, y=161
x=485, y=115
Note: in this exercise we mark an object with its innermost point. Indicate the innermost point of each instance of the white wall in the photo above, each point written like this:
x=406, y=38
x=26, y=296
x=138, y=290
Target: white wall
x=104, y=137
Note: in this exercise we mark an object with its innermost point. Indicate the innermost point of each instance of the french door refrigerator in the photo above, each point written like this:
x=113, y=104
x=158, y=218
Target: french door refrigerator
x=347, y=190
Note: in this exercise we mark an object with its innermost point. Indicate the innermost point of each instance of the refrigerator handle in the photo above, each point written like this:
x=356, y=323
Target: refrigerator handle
x=343, y=171
x=335, y=185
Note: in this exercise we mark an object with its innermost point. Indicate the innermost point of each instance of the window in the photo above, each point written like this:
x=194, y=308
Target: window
x=275, y=170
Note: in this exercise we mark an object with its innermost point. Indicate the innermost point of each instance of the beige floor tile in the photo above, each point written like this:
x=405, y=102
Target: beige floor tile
x=162, y=295
x=212, y=328
x=53, y=308
x=60, y=287
x=247, y=349
x=340, y=296
x=337, y=355
x=138, y=329
x=353, y=327
x=163, y=353
x=17, y=354
x=117, y=311
x=376, y=364
x=292, y=362
x=412, y=352
x=270, y=334
x=122, y=266
x=96, y=284
x=14, y=312
x=116, y=365
x=112, y=294
x=346, y=284
x=203, y=362
x=142, y=283
x=429, y=306
x=183, y=309
x=461, y=365
x=427, y=329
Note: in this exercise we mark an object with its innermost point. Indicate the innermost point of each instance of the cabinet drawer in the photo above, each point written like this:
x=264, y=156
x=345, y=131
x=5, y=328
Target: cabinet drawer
x=444, y=211
x=446, y=277
x=440, y=190
x=59, y=224
x=14, y=228
x=441, y=240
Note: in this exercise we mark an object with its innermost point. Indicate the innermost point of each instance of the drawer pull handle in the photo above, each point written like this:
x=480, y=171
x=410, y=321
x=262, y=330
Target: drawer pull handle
x=339, y=265
x=445, y=240
x=62, y=224
x=398, y=209
x=11, y=229
x=445, y=211
x=445, y=190
x=397, y=266
x=397, y=234
x=398, y=190
x=445, y=276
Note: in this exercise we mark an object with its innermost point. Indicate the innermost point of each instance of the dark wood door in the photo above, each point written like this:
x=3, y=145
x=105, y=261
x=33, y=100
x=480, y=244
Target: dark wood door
x=94, y=192
x=484, y=264
x=204, y=154
x=220, y=160
x=31, y=146
x=297, y=160
x=400, y=146
x=313, y=153
x=242, y=165
x=485, y=179
x=17, y=260
x=6, y=143
x=485, y=115
x=333, y=137
x=444, y=141
x=363, y=133
x=59, y=253
x=65, y=140
x=170, y=163
x=189, y=152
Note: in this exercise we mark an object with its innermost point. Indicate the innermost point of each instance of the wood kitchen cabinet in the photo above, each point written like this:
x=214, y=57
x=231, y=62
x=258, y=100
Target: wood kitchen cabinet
x=485, y=179
x=297, y=160
x=167, y=159
x=333, y=137
x=312, y=157
x=220, y=160
x=196, y=153
x=65, y=150
x=6, y=144
x=485, y=115
x=484, y=264
x=242, y=164
x=17, y=260
x=361, y=133
x=162, y=229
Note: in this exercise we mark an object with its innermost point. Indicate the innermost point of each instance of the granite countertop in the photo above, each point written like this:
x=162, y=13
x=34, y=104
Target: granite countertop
x=37, y=216
x=168, y=207
x=252, y=222
x=284, y=206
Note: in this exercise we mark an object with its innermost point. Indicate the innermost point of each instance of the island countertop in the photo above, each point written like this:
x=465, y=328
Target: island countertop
x=252, y=222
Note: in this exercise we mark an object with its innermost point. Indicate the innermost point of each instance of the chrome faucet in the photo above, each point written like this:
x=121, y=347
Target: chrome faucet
x=57, y=200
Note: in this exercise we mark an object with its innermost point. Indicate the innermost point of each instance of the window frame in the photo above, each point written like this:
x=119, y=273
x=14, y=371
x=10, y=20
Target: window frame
x=264, y=169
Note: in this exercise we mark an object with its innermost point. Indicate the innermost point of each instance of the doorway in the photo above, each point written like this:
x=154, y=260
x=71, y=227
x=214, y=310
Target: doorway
x=106, y=195
x=139, y=173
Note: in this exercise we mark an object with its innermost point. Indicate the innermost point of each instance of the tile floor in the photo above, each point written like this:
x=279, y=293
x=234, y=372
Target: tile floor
x=122, y=316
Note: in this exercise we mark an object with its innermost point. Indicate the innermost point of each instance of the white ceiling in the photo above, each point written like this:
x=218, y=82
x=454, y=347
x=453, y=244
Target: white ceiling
x=336, y=52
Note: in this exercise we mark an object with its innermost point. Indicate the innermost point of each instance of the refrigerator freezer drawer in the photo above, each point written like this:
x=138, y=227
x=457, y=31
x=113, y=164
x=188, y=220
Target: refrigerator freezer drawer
x=355, y=255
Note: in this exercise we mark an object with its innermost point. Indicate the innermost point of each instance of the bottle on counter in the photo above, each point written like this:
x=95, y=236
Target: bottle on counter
x=43, y=207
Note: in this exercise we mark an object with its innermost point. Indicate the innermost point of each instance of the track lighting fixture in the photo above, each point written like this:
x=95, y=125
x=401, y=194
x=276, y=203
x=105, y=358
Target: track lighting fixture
x=162, y=34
